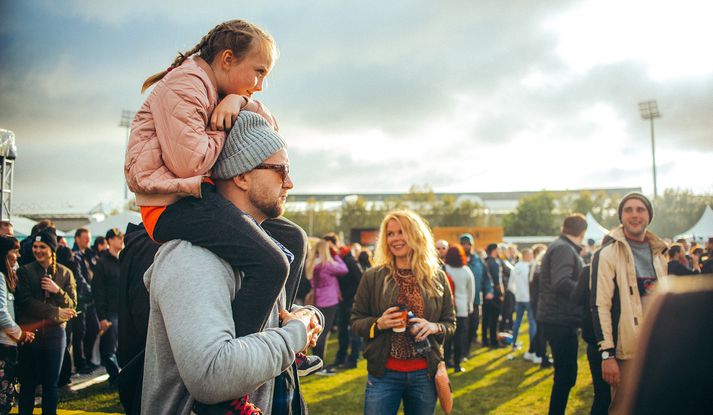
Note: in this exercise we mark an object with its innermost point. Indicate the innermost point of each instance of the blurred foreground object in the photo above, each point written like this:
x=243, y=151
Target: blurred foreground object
x=672, y=373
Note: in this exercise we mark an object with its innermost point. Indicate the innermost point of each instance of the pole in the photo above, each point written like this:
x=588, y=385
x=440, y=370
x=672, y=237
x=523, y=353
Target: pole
x=653, y=157
x=126, y=148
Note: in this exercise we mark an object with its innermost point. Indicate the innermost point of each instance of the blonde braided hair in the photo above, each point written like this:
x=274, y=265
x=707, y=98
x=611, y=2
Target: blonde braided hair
x=235, y=35
x=53, y=264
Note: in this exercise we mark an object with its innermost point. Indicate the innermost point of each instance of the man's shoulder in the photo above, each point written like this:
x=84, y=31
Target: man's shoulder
x=179, y=253
x=181, y=259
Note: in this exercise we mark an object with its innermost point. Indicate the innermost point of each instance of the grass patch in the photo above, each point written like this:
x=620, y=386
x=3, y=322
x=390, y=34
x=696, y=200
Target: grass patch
x=491, y=384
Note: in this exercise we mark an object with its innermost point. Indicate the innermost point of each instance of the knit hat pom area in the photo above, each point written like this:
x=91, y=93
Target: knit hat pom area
x=642, y=198
x=250, y=142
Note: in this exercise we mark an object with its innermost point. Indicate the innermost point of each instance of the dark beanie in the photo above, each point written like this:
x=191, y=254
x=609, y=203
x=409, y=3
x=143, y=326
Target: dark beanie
x=48, y=236
x=7, y=243
x=642, y=198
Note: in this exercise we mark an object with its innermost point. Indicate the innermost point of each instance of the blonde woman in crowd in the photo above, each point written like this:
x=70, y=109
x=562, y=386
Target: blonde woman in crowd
x=406, y=277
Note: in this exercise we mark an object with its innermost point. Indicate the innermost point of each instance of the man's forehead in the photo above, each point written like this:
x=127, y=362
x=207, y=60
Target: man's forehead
x=280, y=157
x=634, y=203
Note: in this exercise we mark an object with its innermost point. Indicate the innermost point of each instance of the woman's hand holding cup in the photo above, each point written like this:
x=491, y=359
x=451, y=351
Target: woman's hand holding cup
x=393, y=318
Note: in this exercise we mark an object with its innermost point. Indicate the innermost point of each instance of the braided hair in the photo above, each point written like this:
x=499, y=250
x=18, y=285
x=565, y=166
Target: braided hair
x=235, y=35
x=53, y=264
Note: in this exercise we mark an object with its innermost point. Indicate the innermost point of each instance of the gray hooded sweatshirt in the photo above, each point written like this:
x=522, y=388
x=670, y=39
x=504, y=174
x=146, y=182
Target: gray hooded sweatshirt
x=191, y=349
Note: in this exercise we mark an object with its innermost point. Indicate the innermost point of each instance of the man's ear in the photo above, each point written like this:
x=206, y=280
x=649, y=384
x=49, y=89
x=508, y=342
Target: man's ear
x=242, y=181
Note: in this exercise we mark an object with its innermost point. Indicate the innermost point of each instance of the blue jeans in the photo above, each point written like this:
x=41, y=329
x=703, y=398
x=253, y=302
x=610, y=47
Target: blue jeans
x=520, y=309
x=40, y=363
x=383, y=395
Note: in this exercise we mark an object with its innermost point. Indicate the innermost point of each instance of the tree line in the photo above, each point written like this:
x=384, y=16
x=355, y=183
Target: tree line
x=538, y=214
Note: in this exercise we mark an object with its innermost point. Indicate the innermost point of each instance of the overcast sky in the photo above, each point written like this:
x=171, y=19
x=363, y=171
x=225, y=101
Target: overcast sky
x=375, y=96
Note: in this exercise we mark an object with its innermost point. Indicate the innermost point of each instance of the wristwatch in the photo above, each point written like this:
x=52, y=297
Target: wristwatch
x=608, y=354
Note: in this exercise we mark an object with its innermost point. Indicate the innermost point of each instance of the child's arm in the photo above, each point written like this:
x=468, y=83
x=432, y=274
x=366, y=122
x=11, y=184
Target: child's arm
x=188, y=149
x=228, y=108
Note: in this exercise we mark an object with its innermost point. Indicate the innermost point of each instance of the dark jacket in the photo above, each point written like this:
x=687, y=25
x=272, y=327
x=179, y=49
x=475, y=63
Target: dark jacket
x=496, y=277
x=373, y=298
x=483, y=283
x=348, y=283
x=105, y=285
x=561, y=267
x=677, y=268
x=581, y=298
x=66, y=257
x=33, y=305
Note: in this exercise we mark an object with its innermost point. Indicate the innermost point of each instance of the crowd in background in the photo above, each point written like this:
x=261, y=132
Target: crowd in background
x=57, y=306
x=51, y=327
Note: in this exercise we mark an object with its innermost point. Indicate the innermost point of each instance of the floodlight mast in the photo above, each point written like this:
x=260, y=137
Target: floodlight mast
x=649, y=110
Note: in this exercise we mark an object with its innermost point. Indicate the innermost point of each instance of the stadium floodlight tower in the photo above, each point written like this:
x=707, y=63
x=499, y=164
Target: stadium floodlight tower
x=8, y=152
x=650, y=110
x=126, y=118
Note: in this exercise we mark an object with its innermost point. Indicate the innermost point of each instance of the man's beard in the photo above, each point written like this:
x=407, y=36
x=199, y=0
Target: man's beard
x=270, y=208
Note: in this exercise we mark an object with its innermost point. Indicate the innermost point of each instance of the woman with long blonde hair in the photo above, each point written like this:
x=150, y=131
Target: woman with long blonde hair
x=406, y=277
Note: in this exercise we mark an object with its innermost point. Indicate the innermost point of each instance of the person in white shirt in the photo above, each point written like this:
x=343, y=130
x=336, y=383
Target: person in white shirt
x=520, y=286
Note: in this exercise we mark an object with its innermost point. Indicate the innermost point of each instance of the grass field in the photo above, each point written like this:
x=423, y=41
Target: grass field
x=492, y=384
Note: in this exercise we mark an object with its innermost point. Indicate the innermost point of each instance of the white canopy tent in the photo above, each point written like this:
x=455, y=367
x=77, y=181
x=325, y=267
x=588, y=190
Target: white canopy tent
x=22, y=226
x=117, y=221
x=594, y=229
x=702, y=230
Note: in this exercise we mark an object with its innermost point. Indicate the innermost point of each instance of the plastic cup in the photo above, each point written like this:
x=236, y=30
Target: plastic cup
x=404, y=319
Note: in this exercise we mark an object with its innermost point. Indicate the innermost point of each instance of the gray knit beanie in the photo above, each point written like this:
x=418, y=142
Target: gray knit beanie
x=251, y=141
x=642, y=198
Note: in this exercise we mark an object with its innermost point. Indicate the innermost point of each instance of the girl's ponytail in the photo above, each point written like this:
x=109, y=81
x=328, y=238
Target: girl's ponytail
x=236, y=35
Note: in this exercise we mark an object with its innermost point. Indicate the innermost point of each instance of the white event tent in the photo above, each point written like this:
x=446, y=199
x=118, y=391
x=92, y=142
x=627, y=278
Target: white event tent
x=702, y=230
x=594, y=229
x=117, y=221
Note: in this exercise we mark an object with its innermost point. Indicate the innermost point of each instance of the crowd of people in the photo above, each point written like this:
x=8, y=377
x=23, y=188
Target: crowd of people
x=217, y=300
x=57, y=304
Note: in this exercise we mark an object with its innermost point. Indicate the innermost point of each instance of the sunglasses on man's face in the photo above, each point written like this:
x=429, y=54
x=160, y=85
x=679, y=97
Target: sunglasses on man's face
x=282, y=169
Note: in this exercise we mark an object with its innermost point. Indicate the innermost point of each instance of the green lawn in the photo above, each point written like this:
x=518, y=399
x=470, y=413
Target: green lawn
x=491, y=384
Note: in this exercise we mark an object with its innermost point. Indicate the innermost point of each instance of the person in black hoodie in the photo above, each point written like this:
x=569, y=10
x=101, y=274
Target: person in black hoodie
x=492, y=307
x=557, y=314
x=105, y=286
x=347, y=287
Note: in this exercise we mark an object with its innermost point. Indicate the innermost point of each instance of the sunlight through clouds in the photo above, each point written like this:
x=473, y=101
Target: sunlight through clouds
x=672, y=38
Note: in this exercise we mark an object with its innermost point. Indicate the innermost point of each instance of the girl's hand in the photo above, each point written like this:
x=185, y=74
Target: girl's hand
x=49, y=285
x=422, y=328
x=226, y=112
x=391, y=318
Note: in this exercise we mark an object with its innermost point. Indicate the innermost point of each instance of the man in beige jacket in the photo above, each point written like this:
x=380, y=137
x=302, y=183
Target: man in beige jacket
x=625, y=271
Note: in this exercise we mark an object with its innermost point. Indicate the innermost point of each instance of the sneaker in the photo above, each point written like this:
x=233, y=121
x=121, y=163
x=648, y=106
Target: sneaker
x=537, y=360
x=327, y=371
x=528, y=356
x=243, y=407
x=306, y=365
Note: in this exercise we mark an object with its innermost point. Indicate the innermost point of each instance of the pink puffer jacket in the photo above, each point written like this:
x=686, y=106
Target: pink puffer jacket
x=170, y=148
